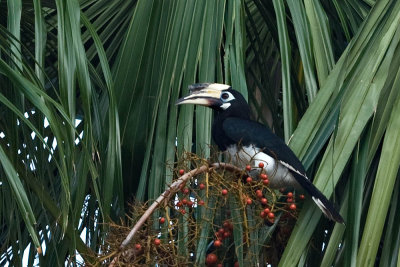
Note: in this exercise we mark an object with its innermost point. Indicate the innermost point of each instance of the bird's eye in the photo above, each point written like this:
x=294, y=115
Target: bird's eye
x=225, y=96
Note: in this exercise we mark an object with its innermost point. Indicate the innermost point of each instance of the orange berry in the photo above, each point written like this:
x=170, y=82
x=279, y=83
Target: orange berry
x=259, y=194
x=217, y=243
x=221, y=232
x=264, y=201
x=211, y=259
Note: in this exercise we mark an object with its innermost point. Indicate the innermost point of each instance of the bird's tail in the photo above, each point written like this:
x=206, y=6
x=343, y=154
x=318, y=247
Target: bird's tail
x=322, y=202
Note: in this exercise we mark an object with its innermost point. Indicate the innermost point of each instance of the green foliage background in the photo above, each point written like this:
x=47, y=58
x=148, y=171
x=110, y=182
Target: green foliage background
x=324, y=74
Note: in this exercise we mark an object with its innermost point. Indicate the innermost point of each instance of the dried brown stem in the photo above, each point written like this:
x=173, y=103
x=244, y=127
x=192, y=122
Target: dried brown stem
x=173, y=188
x=166, y=195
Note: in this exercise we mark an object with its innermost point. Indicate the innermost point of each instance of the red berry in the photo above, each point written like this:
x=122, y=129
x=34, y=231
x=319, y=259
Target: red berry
x=184, y=201
x=224, y=192
x=202, y=186
x=179, y=204
x=263, y=176
x=181, y=171
x=266, y=210
x=271, y=215
x=261, y=165
x=138, y=246
x=217, y=243
x=219, y=265
x=182, y=211
x=249, y=179
x=211, y=259
x=292, y=207
x=249, y=201
x=227, y=234
x=289, y=194
x=265, y=182
x=157, y=242
x=189, y=203
x=289, y=200
x=162, y=220
x=264, y=201
x=228, y=225
x=236, y=264
x=248, y=168
x=182, y=186
x=259, y=194
x=201, y=203
x=302, y=197
x=262, y=214
x=185, y=191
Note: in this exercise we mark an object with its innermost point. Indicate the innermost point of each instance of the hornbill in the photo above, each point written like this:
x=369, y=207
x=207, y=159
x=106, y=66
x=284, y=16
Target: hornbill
x=245, y=141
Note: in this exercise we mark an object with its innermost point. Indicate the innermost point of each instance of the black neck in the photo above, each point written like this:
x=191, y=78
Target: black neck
x=218, y=135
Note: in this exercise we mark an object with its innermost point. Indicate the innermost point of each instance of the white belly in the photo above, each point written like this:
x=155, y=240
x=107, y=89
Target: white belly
x=279, y=176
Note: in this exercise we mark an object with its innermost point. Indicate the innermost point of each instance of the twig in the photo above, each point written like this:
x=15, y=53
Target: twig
x=173, y=188
x=164, y=197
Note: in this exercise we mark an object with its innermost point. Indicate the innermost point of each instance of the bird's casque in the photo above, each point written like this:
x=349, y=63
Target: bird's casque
x=245, y=141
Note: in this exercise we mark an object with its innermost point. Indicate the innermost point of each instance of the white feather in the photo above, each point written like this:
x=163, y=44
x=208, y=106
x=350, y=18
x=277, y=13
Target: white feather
x=225, y=106
x=278, y=174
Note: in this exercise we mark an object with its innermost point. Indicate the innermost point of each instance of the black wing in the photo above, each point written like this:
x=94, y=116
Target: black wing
x=252, y=133
x=249, y=132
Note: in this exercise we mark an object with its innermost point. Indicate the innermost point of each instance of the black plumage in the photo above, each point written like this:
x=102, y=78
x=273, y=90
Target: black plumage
x=233, y=128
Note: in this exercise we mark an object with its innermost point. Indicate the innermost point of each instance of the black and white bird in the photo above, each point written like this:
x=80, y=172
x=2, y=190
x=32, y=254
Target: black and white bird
x=247, y=142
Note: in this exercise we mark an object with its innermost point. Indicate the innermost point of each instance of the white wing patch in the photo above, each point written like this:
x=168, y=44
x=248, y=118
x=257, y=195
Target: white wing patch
x=292, y=169
x=322, y=207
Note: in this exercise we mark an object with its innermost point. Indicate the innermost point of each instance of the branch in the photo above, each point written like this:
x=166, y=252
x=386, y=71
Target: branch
x=173, y=188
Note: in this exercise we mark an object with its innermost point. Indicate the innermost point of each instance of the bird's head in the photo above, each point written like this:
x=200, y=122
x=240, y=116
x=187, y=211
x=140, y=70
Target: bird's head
x=220, y=97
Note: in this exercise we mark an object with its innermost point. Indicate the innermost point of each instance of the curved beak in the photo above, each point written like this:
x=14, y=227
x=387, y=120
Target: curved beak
x=205, y=94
